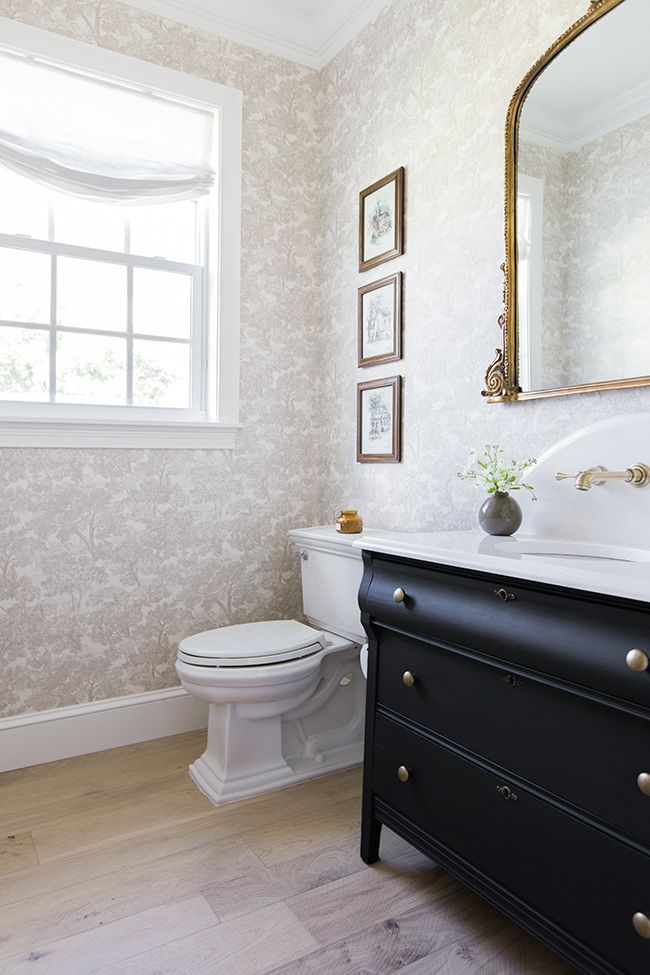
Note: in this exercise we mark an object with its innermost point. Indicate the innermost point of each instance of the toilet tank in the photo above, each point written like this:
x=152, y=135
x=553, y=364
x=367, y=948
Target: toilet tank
x=331, y=575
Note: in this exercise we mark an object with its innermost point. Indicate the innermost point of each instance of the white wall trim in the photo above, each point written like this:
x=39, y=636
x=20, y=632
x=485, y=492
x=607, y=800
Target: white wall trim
x=60, y=432
x=271, y=27
x=567, y=132
x=47, y=736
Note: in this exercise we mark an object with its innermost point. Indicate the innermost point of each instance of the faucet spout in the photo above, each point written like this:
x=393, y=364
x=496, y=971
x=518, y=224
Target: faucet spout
x=638, y=475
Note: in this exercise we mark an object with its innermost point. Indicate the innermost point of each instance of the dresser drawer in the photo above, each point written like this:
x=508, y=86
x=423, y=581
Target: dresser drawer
x=581, y=640
x=573, y=874
x=579, y=750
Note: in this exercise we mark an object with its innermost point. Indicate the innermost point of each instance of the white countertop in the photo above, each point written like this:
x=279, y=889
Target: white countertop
x=614, y=570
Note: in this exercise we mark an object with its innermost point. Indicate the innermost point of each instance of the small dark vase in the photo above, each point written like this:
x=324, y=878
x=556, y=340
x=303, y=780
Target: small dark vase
x=500, y=514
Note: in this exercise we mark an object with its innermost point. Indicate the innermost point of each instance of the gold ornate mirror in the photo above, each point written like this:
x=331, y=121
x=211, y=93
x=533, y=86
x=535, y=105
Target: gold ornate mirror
x=576, y=314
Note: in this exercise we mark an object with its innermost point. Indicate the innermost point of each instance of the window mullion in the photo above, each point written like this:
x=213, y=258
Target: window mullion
x=129, y=336
x=53, y=303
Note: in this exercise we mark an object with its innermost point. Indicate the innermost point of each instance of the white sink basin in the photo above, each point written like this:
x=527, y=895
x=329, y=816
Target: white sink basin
x=587, y=555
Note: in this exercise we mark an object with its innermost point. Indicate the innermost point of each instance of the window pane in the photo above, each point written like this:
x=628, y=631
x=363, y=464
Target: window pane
x=165, y=230
x=88, y=224
x=161, y=374
x=90, y=369
x=24, y=364
x=91, y=294
x=24, y=286
x=162, y=303
x=23, y=206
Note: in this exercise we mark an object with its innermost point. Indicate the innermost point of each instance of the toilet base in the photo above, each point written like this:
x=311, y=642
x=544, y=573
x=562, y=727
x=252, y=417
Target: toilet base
x=257, y=746
x=221, y=792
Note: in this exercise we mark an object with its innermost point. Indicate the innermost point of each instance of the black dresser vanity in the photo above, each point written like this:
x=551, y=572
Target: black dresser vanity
x=508, y=738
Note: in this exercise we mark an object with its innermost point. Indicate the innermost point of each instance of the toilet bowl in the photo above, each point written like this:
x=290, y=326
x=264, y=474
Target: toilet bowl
x=286, y=699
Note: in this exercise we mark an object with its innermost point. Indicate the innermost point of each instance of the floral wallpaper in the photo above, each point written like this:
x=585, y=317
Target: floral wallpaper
x=608, y=213
x=110, y=557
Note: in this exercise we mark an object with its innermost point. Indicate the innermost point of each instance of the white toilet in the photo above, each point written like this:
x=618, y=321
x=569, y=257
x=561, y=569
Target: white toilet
x=286, y=699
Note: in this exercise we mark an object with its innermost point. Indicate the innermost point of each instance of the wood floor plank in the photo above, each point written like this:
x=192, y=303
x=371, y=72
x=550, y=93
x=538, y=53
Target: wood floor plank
x=245, y=946
x=342, y=785
x=345, y=907
x=116, y=768
x=118, y=851
x=122, y=854
x=261, y=885
x=17, y=852
x=304, y=834
x=125, y=812
x=404, y=938
x=166, y=802
x=85, y=953
x=106, y=899
x=508, y=951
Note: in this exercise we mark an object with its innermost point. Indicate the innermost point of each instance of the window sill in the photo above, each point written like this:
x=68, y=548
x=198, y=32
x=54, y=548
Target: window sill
x=116, y=433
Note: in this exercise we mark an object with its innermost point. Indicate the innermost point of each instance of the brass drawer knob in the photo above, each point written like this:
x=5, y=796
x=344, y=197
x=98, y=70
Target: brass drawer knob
x=399, y=595
x=643, y=782
x=641, y=924
x=408, y=679
x=637, y=661
x=403, y=773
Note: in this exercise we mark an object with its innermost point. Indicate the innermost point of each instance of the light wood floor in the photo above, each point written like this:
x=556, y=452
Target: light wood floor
x=115, y=863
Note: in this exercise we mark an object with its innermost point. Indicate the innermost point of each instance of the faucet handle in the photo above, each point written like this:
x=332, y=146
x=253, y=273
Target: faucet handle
x=565, y=477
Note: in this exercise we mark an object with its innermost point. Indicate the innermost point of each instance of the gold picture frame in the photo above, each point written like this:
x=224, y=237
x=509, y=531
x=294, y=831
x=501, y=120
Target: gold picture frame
x=381, y=221
x=379, y=321
x=379, y=421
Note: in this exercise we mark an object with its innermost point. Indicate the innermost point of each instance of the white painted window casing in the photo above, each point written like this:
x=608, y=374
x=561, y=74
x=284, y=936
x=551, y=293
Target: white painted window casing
x=212, y=418
x=530, y=243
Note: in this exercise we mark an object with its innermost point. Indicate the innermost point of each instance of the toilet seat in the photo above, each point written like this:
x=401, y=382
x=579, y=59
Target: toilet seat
x=251, y=644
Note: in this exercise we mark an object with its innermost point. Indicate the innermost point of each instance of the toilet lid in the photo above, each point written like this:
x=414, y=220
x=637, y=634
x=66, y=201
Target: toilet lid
x=251, y=644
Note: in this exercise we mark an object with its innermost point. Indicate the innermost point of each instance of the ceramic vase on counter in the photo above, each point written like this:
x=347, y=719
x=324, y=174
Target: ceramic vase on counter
x=500, y=514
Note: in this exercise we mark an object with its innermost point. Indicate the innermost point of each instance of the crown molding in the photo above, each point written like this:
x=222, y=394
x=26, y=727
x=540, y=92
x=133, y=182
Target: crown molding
x=272, y=27
x=566, y=132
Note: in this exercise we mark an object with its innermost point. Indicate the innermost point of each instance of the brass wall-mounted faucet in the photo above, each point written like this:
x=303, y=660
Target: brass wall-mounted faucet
x=638, y=475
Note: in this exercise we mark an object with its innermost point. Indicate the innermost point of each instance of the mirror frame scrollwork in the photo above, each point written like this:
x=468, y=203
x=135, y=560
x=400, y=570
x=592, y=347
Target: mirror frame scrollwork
x=501, y=378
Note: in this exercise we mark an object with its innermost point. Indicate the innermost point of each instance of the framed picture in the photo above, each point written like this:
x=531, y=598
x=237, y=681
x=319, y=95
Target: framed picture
x=379, y=321
x=381, y=221
x=379, y=421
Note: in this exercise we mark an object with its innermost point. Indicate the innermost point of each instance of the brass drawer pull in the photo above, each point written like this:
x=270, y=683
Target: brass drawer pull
x=399, y=595
x=403, y=773
x=512, y=681
x=637, y=661
x=408, y=679
x=643, y=782
x=504, y=595
x=507, y=793
x=641, y=924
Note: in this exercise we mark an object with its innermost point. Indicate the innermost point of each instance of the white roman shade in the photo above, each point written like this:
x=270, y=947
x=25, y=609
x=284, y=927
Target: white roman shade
x=99, y=140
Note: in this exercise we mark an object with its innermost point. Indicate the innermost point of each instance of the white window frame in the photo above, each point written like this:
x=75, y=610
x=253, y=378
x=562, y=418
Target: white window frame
x=531, y=254
x=216, y=423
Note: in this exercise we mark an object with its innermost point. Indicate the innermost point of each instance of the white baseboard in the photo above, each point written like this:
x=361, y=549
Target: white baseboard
x=47, y=736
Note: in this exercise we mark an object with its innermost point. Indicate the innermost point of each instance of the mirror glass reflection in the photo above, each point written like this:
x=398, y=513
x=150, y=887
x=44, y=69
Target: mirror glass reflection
x=583, y=209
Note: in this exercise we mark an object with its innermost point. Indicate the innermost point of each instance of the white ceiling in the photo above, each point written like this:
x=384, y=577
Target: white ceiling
x=310, y=32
